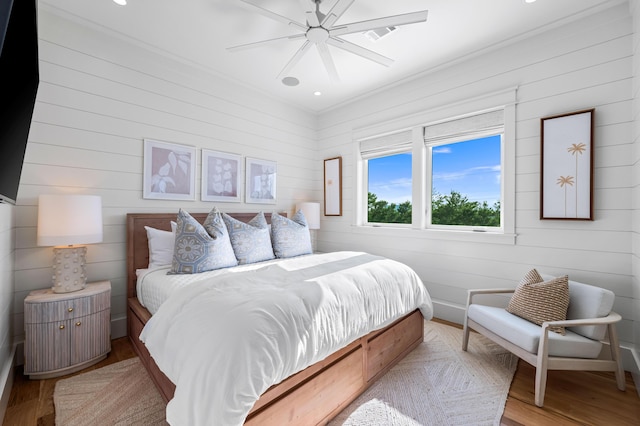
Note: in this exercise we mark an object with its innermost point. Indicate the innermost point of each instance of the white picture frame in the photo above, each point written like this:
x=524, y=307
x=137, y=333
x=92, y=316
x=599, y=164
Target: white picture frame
x=221, y=177
x=260, y=184
x=168, y=171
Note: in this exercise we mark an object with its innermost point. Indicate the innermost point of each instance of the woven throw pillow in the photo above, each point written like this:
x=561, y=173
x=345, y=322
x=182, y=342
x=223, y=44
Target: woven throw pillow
x=290, y=237
x=200, y=248
x=538, y=301
x=250, y=241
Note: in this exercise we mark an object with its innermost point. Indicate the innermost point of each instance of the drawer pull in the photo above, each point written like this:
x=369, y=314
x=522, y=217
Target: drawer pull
x=78, y=324
x=62, y=327
x=69, y=309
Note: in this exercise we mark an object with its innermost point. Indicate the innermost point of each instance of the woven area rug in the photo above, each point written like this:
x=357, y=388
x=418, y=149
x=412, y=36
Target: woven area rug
x=436, y=384
x=118, y=394
x=439, y=384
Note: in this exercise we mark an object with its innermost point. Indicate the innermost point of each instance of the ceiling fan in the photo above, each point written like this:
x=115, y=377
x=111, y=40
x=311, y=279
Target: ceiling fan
x=320, y=30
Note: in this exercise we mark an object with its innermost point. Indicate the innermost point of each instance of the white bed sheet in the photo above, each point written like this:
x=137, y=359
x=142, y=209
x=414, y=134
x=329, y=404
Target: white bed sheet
x=154, y=286
x=290, y=314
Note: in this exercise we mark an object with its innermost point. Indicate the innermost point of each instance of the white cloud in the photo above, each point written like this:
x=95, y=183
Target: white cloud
x=442, y=150
x=462, y=174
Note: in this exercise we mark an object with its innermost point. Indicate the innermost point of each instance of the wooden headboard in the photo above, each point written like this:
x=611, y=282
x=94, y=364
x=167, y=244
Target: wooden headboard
x=138, y=247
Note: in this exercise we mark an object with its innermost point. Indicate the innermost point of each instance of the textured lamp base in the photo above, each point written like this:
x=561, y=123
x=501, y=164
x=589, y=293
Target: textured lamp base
x=69, y=273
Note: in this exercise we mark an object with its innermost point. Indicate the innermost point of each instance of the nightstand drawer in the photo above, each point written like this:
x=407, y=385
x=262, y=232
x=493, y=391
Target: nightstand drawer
x=44, y=306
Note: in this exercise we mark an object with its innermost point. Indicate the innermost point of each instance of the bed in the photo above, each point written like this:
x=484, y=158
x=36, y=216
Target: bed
x=313, y=395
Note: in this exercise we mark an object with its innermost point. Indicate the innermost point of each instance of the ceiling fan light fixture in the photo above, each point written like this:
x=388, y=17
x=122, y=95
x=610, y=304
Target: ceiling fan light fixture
x=378, y=33
x=290, y=81
x=321, y=32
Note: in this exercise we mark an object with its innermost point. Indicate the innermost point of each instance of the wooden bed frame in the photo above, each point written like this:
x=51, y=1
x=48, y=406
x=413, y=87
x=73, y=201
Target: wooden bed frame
x=312, y=396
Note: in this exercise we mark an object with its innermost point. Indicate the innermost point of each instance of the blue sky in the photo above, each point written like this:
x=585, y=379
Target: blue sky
x=471, y=168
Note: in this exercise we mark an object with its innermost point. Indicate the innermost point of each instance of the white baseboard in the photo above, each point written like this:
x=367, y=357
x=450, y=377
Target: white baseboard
x=118, y=327
x=6, y=382
x=455, y=313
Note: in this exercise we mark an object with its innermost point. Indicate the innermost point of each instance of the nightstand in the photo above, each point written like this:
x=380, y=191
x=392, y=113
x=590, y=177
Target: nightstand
x=66, y=332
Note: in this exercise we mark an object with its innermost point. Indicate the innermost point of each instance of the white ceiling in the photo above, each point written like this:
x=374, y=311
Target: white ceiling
x=199, y=31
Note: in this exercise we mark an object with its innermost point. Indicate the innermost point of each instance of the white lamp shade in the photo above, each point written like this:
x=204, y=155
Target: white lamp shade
x=311, y=212
x=69, y=219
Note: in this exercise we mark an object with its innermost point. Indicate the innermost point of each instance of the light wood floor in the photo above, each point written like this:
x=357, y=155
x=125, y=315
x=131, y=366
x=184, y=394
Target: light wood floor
x=572, y=398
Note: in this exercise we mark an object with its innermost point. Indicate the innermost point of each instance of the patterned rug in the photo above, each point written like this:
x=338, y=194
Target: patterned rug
x=436, y=384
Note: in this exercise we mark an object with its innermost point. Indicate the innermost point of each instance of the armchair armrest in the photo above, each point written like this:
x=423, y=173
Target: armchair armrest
x=471, y=293
x=609, y=319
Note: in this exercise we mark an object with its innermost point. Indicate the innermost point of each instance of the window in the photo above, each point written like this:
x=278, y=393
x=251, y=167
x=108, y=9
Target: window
x=464, y=163
x=388, y=178
x=389, y=189
x=466, y=183
x=454, y=174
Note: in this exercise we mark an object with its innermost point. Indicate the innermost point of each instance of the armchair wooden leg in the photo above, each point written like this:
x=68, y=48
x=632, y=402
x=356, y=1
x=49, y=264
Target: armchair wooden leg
x=615, y=355
x=541, y=383
x=465, y=335
x=541, y=366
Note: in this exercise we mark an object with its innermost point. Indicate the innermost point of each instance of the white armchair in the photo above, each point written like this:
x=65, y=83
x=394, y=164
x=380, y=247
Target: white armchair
x=589, y=318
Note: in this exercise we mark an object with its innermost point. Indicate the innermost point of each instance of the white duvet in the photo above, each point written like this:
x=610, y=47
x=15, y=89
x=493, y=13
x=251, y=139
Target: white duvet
x=225, y=340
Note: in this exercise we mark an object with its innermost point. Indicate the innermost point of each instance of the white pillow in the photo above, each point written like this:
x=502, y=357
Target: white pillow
x=161, y=245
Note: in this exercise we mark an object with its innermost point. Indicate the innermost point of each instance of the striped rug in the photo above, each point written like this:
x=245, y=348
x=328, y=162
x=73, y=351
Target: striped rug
x=436, y=384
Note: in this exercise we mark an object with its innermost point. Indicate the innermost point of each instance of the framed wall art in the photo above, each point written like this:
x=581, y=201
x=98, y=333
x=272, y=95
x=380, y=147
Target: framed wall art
x=260, y=185
x=566, y=166
x=333, y=186
x=221, y=175
x=168, y=171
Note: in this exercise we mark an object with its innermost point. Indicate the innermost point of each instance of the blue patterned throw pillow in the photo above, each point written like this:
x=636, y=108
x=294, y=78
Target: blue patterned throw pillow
x=251, y=241
x=200, y=248
x=290, y=237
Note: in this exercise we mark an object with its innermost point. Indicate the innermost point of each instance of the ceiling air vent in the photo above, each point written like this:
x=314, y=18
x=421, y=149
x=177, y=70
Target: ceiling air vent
x=378, y=33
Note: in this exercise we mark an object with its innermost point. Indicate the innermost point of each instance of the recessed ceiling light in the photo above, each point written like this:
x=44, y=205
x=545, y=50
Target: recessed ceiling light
x=529, y=1
x=120, y=2
x=317, y=93
x=290, y=81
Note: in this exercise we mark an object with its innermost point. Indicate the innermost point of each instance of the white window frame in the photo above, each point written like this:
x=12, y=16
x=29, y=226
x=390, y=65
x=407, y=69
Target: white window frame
x=421, y=177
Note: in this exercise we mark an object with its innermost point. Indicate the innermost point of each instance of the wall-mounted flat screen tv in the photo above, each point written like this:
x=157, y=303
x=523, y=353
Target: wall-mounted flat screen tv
x=19, y=78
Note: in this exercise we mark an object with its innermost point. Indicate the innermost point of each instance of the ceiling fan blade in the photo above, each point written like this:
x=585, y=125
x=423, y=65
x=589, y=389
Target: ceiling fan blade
x=389, y=21
x=336, y=12
x=273, y=15
x=309, y=7
x=262, y=42
x=295, y=59
x=360, y=51
x=327, y=60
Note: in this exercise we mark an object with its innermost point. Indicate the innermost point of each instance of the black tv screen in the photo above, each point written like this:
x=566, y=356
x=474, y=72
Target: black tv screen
x=19, y=78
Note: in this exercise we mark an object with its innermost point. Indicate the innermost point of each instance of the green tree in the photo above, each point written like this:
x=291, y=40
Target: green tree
x=450, y=209
x=380, y=211
x=456, y=209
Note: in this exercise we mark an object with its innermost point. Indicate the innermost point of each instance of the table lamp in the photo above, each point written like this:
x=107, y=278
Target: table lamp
x=311, y=212
x=67, y=222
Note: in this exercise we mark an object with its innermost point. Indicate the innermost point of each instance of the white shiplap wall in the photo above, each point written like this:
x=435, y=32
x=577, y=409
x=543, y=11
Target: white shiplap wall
x=579, y=65
x=99, y=97
x=634, y=6
x=7, y=245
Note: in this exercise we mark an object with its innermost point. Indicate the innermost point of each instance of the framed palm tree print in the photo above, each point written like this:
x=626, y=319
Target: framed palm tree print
x=566, y=166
